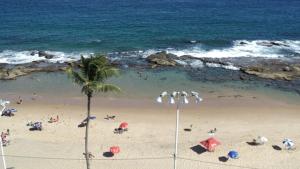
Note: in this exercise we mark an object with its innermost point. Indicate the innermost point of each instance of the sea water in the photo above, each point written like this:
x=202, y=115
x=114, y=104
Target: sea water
x=206, y=28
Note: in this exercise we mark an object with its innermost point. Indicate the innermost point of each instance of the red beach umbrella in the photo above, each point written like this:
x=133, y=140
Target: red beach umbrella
x=210, y=144
x=114, y=149
x=123, y=125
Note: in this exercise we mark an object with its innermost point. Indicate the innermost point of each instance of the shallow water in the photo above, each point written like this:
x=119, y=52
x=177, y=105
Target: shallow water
x=146, y=84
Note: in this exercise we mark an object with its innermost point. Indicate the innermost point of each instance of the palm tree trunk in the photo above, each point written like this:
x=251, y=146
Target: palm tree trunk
x=87, y=132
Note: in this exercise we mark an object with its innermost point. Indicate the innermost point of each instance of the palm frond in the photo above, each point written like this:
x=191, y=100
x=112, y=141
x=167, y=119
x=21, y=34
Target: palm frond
x=94, y=71
x=101, y=87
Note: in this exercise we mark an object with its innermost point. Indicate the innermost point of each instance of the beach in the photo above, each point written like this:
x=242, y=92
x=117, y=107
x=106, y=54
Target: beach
x=239, y=115
x=241, y=57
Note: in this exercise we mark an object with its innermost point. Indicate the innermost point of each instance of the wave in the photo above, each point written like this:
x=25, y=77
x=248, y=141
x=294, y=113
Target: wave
x=240, y=48
x=21, y=57
x=244, y=48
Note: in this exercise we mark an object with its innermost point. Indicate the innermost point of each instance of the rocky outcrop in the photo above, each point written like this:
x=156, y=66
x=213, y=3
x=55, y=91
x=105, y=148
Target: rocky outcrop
x=162, y=59
x=274, y=71
x=11, y=72
x=45, y=54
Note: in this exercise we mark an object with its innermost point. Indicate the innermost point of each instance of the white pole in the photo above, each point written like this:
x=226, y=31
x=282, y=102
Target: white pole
x=1, y=144
x=176, y=135
x=2, y=153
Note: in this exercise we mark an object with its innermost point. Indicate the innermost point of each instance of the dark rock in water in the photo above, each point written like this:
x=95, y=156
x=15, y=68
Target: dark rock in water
x=162, y=58
x=272, y=43
x=163, y=78
x=33, y=53
x=274, y=69
x=243, y=43
x=186, y=57
x=46, y=55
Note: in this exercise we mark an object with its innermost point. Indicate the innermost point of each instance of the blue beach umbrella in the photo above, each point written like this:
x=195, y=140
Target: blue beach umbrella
x=233, y=154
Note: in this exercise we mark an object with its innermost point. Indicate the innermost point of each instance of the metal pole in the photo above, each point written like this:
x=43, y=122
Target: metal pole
x=2, y=153
x=1, y=144
x=176, y=135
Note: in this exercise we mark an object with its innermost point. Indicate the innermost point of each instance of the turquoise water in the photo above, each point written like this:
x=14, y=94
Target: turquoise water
x=148, y=86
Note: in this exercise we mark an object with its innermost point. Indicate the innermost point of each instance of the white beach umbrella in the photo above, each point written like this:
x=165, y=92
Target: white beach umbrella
x=288, y=143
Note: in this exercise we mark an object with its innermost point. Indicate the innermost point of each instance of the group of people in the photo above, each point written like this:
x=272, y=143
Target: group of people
x=4, y=137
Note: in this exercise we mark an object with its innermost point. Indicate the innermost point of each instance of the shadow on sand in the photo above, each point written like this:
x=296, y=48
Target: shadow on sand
x=276, y=147
x=223, y=159
x=252, y=143
x=108, y=154
x=198, y=149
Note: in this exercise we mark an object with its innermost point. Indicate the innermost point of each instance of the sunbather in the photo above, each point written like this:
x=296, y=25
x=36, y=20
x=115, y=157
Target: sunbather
x=9, y=112
x=110, y=117
x=120, y=130
x=90, y=155
x=53, y=120
x=36, y=126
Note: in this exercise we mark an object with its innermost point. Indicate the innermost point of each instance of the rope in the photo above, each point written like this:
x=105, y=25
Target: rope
x=95, y=159
x=127, y=159
x=215, y=163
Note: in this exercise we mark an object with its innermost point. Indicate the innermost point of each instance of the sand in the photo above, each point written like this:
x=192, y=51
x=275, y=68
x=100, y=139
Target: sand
x=149, y=143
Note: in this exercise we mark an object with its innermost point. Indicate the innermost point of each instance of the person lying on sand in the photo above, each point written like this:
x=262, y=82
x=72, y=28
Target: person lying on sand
x=53, y=120
x=110, y=117
x=120, y=130
x=35, y=126
x=9, y=112
x=90, y=155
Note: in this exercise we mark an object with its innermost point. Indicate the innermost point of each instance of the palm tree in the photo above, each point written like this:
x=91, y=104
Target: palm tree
x=93, y=73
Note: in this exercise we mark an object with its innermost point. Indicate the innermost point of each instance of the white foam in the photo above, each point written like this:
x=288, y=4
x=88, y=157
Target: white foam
x=197, y=64
x=231, y=67
x=256, y=48
x=240, y=48
x=20, y=57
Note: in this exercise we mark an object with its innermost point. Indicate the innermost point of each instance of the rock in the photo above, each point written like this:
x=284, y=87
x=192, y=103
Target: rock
x=186, y=57
x=272, y=43
x=243, y=43
x=273, y=70
x=162, y=58
x=33, y=53
x=46, y=55
x=286, y=69
x=11, y=72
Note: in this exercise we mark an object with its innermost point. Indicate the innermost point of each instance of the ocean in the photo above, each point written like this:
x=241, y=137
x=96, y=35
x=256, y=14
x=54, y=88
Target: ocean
x=200, y=28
